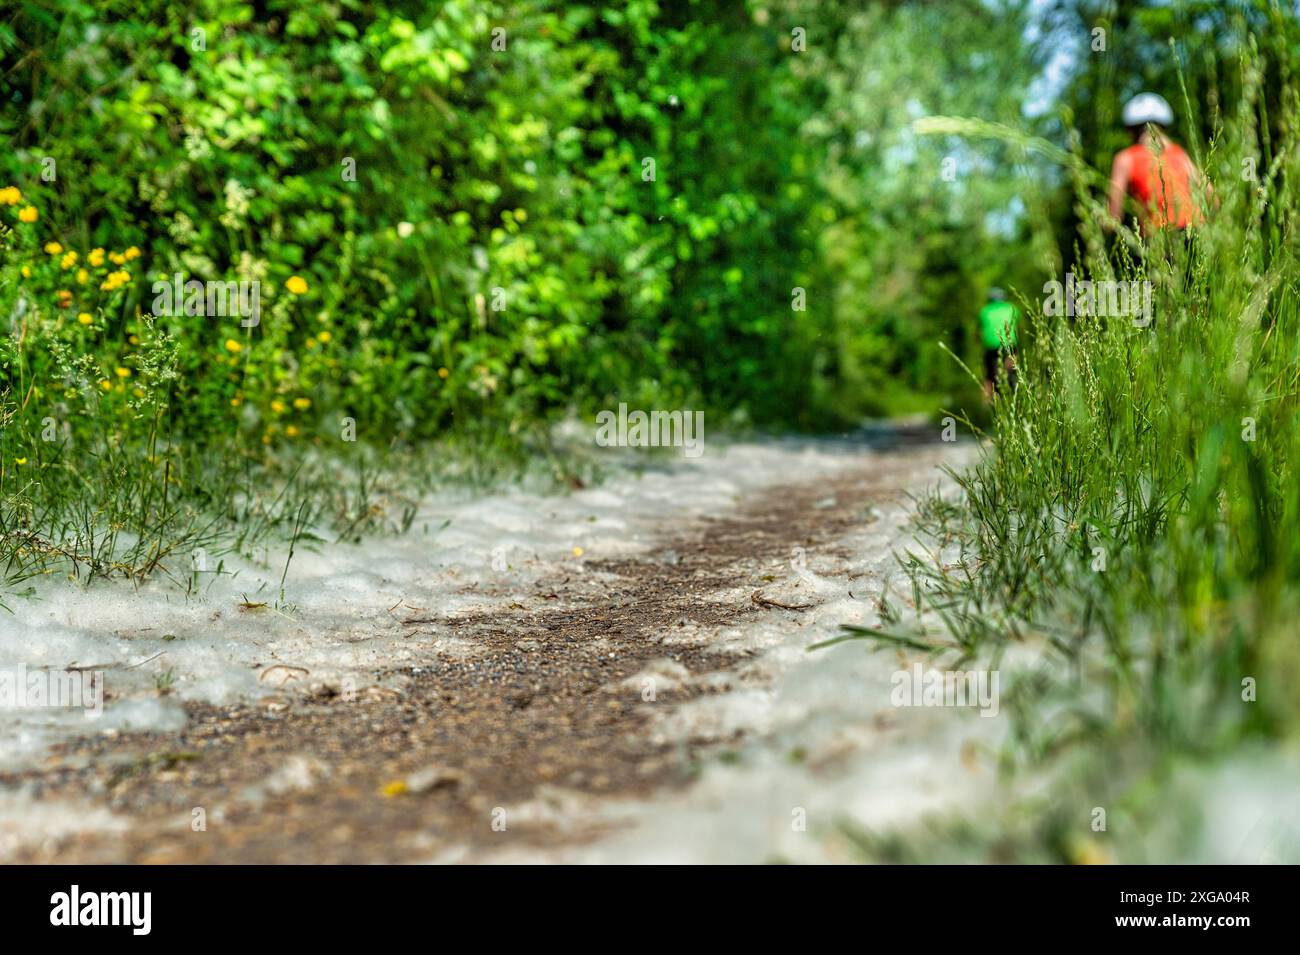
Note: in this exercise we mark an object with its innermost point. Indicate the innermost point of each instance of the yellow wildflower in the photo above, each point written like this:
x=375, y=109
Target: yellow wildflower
x=20, y=461
x=443, y=373
x=82, y=276
x=27, y=271
x=302, y=404
x=291, y=431
x=324, y=337
x=233, y=346
x=28, y=214
x=122, y=372
x=296, y=285
x=277, y=406
x=85, y=318
x=105, y=384
x=69, y=260
x=10, y=196
x=95, y=257
x=115, y=280
x=53, y=248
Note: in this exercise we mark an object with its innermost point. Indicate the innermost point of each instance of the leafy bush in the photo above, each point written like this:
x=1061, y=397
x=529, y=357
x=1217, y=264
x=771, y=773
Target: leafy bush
x=447, y=210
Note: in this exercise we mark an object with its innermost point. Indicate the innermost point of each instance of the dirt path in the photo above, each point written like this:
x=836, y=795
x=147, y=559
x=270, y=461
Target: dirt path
x=469, y=754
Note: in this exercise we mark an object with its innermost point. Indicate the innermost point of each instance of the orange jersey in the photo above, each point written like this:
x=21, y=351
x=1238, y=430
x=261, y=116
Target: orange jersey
x=1163, y=185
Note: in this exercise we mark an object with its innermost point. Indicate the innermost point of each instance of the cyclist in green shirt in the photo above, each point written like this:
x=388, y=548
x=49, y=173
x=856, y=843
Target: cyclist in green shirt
x=998, y=319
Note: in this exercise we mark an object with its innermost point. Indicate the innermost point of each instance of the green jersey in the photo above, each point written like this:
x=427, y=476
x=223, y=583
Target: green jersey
x=998, y=325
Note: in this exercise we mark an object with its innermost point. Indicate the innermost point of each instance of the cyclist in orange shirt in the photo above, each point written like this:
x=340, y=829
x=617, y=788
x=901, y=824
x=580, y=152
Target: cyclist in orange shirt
x=1155, y=170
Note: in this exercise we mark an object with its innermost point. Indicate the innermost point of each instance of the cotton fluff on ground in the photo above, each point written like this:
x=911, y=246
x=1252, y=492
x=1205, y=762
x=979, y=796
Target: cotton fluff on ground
x=814, y=737
x=344, y=604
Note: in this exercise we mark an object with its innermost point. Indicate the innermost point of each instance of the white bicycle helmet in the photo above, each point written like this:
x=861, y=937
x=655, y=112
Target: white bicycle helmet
x=1148, y=108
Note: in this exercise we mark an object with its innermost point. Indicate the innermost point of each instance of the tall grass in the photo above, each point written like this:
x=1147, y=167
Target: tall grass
x=1137, y=510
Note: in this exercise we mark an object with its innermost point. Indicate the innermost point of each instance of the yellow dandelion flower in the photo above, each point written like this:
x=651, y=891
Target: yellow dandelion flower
x=117, y=258
x=324, y=338
x=236, y=402
x=28, y=214
x=27, y=271
x=131, y=253
x=95, y=257
x=310, y=343
x=443, y=373
x=69, y=260
x=53, y=248
x=10, y=196
x=278, y=406
x=302, y=404
x=115, y=280
x=82, y=276
x=233, y=346
x=85, y=318
x=20, y=461
x=105, y=384
x=292, y=431
x=133, y=339
x=296, y=285
x=122, y=372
